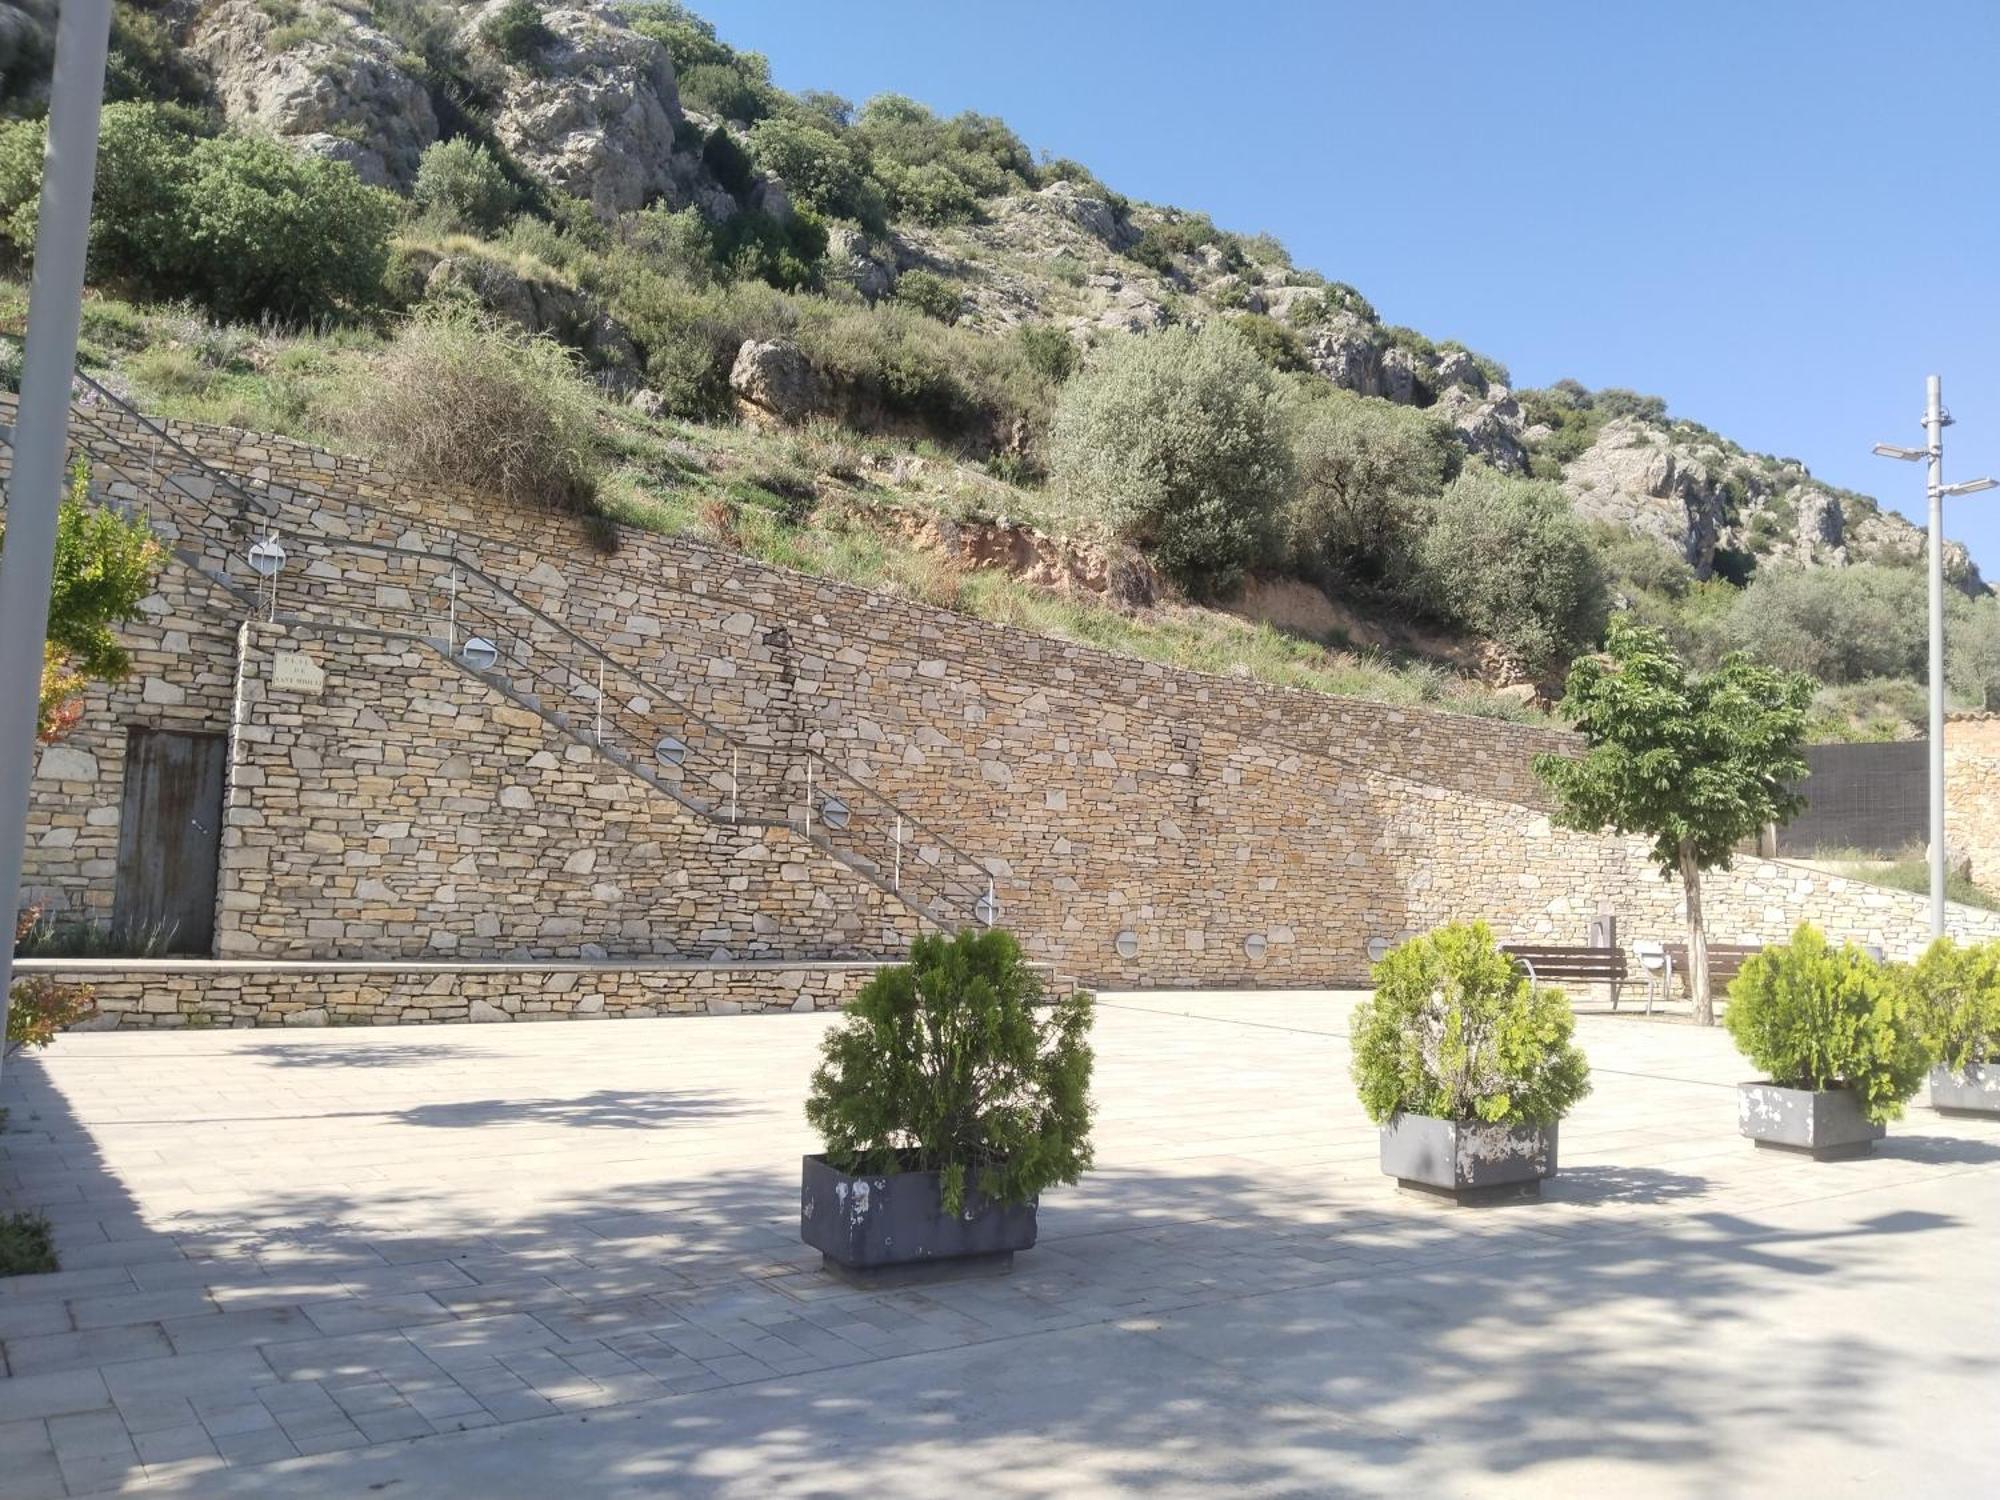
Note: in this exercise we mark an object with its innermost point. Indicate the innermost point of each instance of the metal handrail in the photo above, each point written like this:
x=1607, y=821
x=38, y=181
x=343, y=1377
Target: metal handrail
x=972, y=883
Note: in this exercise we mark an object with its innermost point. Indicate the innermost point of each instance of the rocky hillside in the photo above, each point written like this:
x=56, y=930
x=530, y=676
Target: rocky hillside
x=618, y=136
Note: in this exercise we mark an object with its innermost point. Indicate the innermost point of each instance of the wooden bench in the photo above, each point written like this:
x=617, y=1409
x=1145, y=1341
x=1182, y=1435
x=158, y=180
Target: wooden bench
x=1566, y=963
x=1725, y=962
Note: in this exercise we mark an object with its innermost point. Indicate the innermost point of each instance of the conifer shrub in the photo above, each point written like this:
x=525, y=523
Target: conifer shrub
x=944, y=1065
x=1813, y=1016
x=1456, y=1031
x=1954, y=996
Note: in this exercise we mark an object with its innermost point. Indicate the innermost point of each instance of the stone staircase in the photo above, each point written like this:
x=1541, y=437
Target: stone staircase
x=437, y=595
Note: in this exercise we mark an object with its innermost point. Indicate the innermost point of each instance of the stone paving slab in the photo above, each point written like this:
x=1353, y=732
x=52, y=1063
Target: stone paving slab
x=529, y=1261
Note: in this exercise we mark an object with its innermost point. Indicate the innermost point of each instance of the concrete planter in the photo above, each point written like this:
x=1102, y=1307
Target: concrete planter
x=1975, y=1091
x=1468, y=1161
x=897, y=1222
x=1825, y=1124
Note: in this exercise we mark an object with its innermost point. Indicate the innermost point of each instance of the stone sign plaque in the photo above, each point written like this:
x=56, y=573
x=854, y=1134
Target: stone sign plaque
x=295, y=672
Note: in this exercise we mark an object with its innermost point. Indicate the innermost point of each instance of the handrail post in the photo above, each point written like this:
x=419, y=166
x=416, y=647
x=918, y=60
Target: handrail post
x=599, y=731
x=809, y=796
x=735, y=757
x=899, y=854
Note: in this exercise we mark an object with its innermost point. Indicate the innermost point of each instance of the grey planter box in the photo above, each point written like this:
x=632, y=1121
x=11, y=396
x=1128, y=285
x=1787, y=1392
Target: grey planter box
x=1825, y=1124
x=877, y=1224
x=1468, y=1161
x=1976, y=1091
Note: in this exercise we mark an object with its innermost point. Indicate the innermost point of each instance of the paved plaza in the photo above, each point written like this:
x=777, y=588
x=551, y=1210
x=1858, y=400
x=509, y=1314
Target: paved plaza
x=534, y=1261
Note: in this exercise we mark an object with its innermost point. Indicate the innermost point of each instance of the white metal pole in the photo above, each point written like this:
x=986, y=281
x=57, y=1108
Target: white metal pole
x=41, y=426
x=1934, y=432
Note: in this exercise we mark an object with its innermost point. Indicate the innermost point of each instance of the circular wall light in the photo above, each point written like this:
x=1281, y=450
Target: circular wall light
x=1255, y=944
x=1377, y=948
x=478, y=653
x=1126, y=944
x=671, y=751
x=833, y=812
x=266, y=557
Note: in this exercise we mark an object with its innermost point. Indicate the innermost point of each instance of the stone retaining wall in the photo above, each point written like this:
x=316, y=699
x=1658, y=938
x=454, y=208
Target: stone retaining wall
x=1244, y=834
x=229, y=995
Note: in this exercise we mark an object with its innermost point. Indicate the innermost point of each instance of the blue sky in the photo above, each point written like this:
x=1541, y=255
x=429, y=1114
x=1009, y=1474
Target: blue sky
x=1779, y=215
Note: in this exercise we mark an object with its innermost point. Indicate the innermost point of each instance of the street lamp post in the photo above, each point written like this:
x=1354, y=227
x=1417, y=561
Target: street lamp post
x=1936, y=419
x=41, y=427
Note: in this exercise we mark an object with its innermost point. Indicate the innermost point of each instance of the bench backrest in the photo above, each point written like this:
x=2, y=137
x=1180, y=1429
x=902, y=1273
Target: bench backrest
x=1725, y=960
x=1557, y=961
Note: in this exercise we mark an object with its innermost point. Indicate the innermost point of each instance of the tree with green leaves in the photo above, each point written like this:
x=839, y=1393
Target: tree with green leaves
x=1696, y=762
x=104, y=566
x=942, y=1065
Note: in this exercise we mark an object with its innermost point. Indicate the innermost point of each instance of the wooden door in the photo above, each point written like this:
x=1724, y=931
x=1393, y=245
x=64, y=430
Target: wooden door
x=169, y=838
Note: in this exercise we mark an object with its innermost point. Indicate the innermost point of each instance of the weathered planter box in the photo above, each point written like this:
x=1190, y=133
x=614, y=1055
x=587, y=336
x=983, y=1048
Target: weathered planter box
x=1468, y=1161
x=1825, y=1124
x=882, y=1224
x=1975, y=1091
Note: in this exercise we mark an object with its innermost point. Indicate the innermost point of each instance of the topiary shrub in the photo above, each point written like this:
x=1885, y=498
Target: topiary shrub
x=1456, y=1031
x=1177, y=441
x=1954, y=997
x=942, y=1065
x=1814, y=1016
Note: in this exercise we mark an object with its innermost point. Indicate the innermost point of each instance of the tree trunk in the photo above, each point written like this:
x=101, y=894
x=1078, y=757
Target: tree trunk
x=1704, y=1003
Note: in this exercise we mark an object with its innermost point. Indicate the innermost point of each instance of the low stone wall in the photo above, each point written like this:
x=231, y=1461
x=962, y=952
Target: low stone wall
x=1972, y=793
x=161, y=995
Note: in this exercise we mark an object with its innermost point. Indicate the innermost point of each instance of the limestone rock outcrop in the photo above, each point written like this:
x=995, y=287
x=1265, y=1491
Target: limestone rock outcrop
x=595, y=114
x=328, y=84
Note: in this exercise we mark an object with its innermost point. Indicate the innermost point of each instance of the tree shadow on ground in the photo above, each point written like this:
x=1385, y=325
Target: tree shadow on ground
x=1260, y=1338
x=619, y=1109
x=363, y=1055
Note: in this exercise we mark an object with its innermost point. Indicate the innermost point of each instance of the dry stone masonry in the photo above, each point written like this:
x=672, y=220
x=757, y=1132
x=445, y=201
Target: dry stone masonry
x=1141, y=825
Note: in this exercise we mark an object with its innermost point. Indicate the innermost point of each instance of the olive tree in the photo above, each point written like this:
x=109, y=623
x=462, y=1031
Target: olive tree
x=1696, y=762
x=1368, y=471
x=1177, y=441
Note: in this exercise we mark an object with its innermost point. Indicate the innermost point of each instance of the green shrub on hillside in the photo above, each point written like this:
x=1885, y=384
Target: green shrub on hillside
x=463, y=401
x=270, y=232
x=1508, y=558
x=243, y=225
x=1278, y=346
x=1840, y=625
x=1813, y=1016
x=1368, y=475
x=460, y=182
x=516, y=31
x=1177, y=441
x=819, y=170
x=1456, y=1031
x=1049, y=351
x=931, y=295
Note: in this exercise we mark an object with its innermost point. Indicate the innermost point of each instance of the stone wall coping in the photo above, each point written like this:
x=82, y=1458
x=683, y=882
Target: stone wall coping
x=83, y=968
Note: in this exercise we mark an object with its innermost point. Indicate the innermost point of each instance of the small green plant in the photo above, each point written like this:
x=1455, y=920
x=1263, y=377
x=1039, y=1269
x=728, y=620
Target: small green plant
x=931, y=295
x=942, y=1065
x=27, y=1245
x=461, y=182
x=1954, y=995
x=1814, y=1016
x=1456, y=1031
x=39, y=1007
